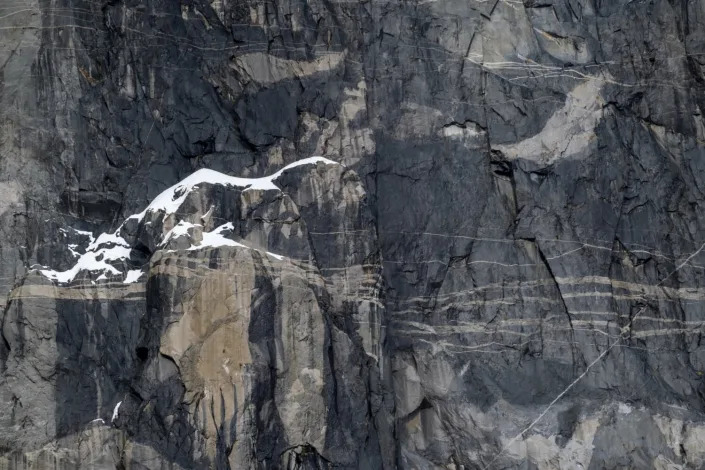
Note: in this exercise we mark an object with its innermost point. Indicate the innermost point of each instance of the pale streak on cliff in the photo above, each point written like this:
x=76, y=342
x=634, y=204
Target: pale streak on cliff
x=267, y=69
x=569, y=132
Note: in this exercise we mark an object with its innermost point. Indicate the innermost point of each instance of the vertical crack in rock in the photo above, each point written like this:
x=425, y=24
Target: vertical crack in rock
x=557, y=285
x=324, y=234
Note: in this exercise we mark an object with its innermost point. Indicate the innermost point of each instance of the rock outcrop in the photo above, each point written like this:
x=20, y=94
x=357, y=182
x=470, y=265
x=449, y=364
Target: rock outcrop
x=312, y=234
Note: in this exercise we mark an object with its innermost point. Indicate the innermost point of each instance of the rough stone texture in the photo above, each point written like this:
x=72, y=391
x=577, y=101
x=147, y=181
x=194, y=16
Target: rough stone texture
x=504, y=269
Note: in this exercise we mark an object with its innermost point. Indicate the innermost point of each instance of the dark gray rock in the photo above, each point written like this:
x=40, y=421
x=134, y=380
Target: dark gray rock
x=500, y=265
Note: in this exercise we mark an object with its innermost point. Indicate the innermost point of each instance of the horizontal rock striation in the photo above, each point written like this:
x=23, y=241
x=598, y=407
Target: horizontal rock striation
x=312, y=234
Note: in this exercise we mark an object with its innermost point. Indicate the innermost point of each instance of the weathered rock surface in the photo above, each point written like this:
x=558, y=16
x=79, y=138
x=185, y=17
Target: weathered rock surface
x=461, y=234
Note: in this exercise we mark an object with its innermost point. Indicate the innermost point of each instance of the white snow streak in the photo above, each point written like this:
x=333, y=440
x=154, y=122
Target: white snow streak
x=132, y=276
x=171, y=199
x=115, y=411
x=179, y=230
x=216, y=239
x=112, y=247
x=107, y=247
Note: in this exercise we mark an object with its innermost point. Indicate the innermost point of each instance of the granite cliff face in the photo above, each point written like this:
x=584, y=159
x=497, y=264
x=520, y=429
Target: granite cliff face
x=312, y=234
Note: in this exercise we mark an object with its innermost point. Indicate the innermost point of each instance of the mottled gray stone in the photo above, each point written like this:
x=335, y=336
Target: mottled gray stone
x=504, y=271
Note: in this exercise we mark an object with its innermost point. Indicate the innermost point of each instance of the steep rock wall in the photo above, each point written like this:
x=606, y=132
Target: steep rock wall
x=498, y=263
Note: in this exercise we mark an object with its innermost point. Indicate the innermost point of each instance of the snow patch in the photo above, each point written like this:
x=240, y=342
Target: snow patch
x=107, y=247
x=207, y=215
x=115, y=411
x=275, y=256
x=106, y=239
x=215, y=238
x=169, y=200
x=179, y=230
x=85, y=233
x=305, y=161
x=112, y=247
x=132, y=276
